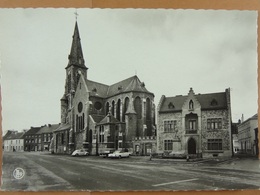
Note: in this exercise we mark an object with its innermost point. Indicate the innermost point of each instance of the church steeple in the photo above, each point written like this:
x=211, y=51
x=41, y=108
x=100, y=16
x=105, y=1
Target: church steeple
x=76, y=55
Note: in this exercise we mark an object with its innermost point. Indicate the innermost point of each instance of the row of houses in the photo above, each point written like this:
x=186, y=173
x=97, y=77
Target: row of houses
x=34, y=139
x=100, y=117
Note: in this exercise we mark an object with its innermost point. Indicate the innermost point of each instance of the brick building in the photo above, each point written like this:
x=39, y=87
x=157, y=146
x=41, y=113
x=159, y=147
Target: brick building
x=102, y=117
x=197, y=125
x=31, y=139
x=44, y=135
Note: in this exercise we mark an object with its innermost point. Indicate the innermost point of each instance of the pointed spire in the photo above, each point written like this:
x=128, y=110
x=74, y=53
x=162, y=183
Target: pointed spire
x=76, y=55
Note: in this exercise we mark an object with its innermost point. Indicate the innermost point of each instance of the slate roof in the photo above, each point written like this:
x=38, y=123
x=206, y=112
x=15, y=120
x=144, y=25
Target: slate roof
x=33, y=130
x=204, y=100
x=15, y=135
x=9, y=132
x=97, y=89
x=130, y=84
x=63, y=127
x=255, y=117
x=105, y=120
x=48, y=128
x=76, y=55
x=97, y=118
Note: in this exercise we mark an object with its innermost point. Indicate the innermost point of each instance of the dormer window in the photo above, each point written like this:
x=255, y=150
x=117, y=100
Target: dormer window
x=214, y=102
x=191, y=105
x=120, y=88
x=94, y=90
x=142, y=84
x=170, y=106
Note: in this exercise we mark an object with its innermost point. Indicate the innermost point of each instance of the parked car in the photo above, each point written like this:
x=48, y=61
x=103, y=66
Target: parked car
x=119, y=154
x=175, y=154
x=80, y=152
x=106, y=153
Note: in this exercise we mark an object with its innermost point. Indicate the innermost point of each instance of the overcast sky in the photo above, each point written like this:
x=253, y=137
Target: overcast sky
x=170, y=50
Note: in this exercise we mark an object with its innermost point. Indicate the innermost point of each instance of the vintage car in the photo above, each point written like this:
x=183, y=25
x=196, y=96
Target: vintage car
x=106, y=153
x=119, y=154
x=175, y=154
x=80, y=152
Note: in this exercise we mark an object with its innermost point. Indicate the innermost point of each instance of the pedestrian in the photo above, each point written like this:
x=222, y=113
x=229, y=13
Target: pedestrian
x=187, y=158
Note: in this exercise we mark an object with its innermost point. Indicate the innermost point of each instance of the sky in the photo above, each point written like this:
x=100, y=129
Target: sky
x=169, y=50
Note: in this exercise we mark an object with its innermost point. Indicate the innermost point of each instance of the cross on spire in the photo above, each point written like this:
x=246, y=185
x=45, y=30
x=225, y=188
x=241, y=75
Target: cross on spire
x=76, y=14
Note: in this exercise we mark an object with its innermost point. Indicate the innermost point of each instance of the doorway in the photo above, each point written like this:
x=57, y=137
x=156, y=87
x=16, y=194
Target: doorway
x=191, y=146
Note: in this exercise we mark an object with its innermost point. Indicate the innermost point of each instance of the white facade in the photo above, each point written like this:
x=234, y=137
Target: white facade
x=246, y=135
x=11, y=145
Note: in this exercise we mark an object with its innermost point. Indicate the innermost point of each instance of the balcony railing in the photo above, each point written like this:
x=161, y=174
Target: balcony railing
x=188, y=131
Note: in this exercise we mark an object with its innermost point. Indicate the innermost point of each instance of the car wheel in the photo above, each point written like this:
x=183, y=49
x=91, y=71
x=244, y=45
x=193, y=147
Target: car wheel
x=119, y=156
x=76, y=154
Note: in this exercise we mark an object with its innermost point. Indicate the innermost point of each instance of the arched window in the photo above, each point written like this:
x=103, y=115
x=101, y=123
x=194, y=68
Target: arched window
x=125, y=107
x=191, y=105
x=148, y=109
x=69, y=82
x=83, y=121
x=148, y=117
x=118, y=109
x=113, y=108
x=138, y=107
x=107, y=108
x=77, y=122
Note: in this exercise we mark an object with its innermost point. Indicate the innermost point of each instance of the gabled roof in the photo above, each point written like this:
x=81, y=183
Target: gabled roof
x=63, y=127
x=109, y=119
x=15, y=135
x=9, y=132
x=48, y=128
x=97, y=118
x=130, y=84
x=255, y=117
x=205, y=101
x=33, y=130
x=97, y=89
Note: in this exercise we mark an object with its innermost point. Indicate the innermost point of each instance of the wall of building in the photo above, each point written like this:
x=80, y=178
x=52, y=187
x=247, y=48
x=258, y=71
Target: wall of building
x=161, y=135
x=15, y=145
x=224, y=134
x=246, y=136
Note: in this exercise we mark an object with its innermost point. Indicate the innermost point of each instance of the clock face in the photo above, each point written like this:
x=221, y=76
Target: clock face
x=80, y=107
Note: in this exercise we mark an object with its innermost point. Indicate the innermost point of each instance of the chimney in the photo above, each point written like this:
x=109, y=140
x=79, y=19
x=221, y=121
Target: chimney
x=242, y=118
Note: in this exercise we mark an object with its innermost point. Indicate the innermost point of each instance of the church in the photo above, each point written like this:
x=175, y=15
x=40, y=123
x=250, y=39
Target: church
x=100, y=117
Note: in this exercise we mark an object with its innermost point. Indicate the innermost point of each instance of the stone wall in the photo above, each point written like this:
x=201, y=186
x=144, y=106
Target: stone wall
x=224, y=133
x=161, y=135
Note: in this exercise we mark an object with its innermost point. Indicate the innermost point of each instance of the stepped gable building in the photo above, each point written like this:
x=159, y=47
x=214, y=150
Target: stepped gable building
x=101, y=117
x=195, y=124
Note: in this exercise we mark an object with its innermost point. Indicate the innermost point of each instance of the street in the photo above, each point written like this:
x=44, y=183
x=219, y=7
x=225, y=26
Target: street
x=46, y=172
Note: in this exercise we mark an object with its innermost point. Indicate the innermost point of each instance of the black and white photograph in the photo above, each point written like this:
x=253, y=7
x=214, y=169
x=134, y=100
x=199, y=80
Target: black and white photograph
x=129, y=99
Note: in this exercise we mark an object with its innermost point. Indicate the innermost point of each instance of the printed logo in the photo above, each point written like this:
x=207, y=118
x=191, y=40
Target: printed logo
x=18, y=173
